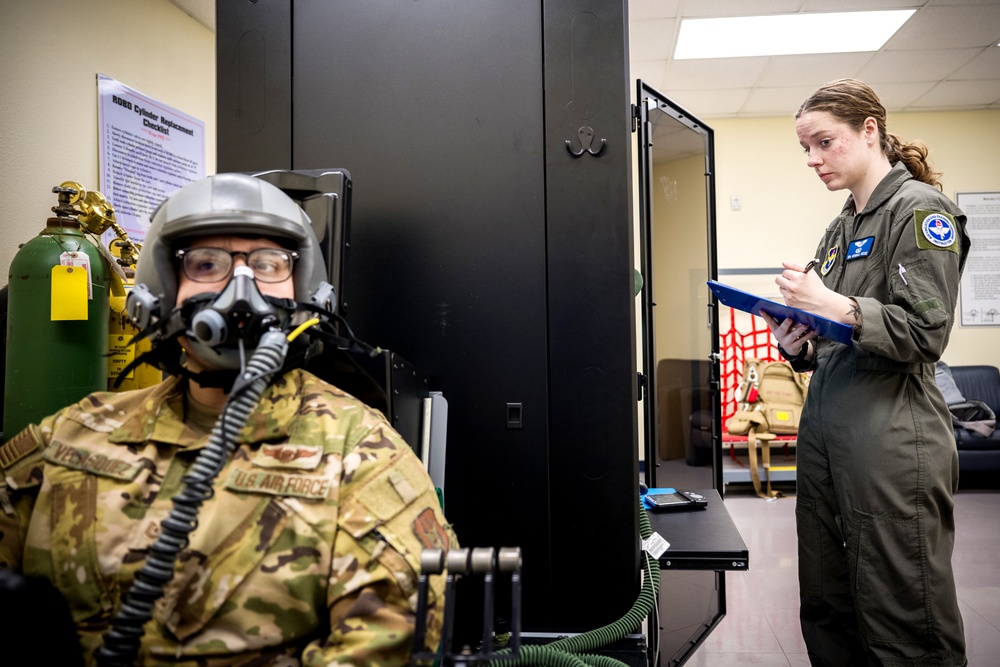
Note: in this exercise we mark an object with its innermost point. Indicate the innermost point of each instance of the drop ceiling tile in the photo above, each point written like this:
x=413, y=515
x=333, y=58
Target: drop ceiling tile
x=713, y=73
x=776, y=101
x=652, y=9
x=984, y=66
x=973, y=94
x=898, y=96
x=704, y=104
x=937, y=28
x=811, y=70
x=652, y=39
x=919, y=65
x=653, y=72
x=854, y=5
x=717, y=8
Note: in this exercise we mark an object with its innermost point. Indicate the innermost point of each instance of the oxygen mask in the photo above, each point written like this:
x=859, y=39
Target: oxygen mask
x=220, y=329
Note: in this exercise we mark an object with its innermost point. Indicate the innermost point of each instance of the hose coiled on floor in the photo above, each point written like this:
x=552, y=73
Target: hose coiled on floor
x=570, y=651
x=121, y=642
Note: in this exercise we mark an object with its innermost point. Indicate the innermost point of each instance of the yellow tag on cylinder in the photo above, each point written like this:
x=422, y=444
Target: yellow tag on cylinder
x=69, y=293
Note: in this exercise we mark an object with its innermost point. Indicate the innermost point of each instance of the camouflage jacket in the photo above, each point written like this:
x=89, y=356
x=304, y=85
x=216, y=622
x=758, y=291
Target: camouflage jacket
x=307, y=554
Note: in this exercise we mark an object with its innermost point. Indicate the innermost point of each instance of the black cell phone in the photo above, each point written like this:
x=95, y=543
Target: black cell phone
x=678, y=500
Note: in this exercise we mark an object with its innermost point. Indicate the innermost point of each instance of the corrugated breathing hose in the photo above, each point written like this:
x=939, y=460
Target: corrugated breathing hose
x=570, y=651
x=121, y=642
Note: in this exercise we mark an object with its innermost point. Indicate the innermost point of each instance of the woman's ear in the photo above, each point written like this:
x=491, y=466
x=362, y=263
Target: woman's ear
x=870, y=130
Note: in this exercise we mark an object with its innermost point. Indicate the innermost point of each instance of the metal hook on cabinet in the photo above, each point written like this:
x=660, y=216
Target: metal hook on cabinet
x=586, y=136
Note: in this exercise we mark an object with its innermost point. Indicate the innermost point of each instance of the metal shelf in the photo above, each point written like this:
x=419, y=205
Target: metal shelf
x=738, y=471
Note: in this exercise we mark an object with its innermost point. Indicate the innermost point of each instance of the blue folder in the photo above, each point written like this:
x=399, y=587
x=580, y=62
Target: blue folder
x=753, y=304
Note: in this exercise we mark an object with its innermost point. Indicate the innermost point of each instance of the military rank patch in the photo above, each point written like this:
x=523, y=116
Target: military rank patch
x=935, y=230
x=429, y=531
x=831, y=259
x=859, y=248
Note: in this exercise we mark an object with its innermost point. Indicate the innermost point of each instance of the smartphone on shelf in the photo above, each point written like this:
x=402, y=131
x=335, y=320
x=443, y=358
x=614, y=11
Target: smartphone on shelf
x=678, y=500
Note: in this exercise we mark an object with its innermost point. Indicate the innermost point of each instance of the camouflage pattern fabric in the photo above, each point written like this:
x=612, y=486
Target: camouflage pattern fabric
x=307, y=554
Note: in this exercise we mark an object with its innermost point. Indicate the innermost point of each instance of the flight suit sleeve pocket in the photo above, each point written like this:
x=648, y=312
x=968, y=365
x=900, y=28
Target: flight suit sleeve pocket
x=394, y=516
x=917, y=289
x=383, y=497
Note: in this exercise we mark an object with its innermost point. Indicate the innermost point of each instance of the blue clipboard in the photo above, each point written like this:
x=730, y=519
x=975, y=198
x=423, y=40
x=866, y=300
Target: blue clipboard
x=753, y=304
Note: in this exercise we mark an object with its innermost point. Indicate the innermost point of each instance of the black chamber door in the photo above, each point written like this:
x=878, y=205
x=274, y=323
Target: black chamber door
x=679, y=315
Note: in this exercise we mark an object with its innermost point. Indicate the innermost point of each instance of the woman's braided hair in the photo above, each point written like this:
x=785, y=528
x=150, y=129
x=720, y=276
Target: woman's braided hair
x=852, y=101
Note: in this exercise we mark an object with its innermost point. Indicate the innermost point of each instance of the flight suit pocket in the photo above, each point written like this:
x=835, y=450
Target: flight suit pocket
x=393, y=517
x=810, y=533
x=73, y=517
x=209, y=571
x=887, y=560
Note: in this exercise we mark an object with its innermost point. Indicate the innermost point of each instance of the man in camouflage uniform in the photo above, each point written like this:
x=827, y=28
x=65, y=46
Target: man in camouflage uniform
x=307, y=552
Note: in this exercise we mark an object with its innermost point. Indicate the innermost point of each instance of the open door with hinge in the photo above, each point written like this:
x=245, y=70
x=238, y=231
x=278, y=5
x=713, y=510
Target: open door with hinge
x=680, y=349
x=680, y=332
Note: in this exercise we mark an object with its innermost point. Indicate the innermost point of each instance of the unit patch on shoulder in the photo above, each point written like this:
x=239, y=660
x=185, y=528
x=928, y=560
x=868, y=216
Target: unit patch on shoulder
x=859, y=248
x=429, y=531
x=935, y=230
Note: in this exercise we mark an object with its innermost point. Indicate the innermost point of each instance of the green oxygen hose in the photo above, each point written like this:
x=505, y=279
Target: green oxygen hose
x=570, y=651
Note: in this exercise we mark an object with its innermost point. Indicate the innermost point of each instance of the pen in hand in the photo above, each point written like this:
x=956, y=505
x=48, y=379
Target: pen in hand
x=810, y=265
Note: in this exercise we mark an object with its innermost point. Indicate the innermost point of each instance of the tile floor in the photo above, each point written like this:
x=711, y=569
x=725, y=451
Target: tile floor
x=761, y=624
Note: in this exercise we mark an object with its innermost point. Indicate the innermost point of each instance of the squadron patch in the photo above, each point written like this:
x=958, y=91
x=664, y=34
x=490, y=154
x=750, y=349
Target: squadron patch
x=831, y=259
x=935, y=230
x=429, y=531
x=859, y=248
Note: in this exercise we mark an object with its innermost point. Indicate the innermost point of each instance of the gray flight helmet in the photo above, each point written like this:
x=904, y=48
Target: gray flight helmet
x=222, y=204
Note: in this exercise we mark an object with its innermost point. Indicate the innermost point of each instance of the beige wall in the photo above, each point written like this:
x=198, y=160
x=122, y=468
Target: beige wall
x=51, y=52
x=675, y=238
x=786, y=208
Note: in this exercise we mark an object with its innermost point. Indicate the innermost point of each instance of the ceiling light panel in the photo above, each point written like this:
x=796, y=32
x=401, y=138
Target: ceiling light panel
x=788, y=34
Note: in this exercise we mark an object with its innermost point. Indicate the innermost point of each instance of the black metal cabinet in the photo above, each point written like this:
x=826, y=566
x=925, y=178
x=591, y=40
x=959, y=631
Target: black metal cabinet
x=488, y=246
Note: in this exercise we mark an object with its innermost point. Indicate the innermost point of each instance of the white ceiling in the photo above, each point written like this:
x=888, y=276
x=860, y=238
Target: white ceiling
x=944, y=58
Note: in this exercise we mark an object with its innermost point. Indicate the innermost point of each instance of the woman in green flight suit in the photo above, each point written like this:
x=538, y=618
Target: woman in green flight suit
x=877, y=464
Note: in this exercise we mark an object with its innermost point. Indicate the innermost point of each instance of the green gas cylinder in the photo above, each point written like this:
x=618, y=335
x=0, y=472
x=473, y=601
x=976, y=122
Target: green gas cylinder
x=53, y=363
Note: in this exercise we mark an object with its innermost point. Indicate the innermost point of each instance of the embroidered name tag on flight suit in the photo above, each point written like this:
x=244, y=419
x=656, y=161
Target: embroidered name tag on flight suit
x=99, y=464
x=859, y=248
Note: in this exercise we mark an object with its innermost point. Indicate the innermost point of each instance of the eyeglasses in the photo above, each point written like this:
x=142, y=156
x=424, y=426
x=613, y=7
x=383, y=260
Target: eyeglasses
x=210, y=265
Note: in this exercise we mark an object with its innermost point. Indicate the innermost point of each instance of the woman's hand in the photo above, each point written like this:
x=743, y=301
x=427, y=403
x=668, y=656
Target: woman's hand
x=806, y=291
x=791, y=335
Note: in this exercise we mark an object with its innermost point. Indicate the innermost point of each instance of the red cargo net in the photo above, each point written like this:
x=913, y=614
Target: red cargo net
x=746, y=336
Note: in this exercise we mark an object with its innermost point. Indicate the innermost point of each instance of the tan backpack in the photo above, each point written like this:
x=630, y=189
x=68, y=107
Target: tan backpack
x=770, y=397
